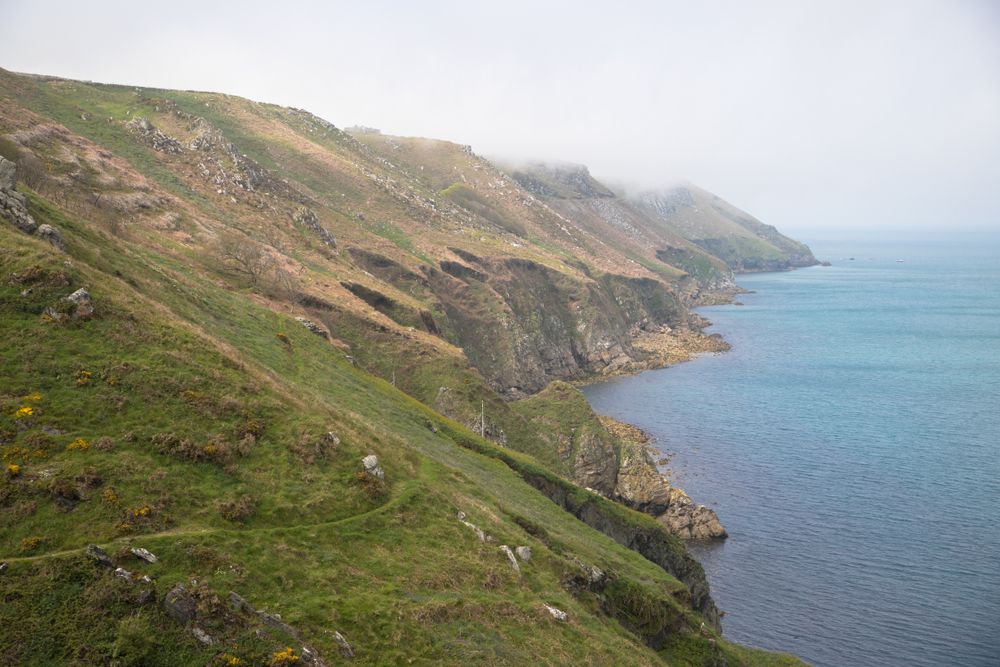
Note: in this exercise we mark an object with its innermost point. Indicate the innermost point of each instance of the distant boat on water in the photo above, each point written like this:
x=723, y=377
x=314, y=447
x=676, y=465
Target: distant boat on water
x=900, y=261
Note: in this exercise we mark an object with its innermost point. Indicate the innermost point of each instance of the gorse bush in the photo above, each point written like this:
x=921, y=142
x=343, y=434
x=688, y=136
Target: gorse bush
x=238, y=510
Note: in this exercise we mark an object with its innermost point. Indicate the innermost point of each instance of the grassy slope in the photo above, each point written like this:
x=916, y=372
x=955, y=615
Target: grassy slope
x=396, y=573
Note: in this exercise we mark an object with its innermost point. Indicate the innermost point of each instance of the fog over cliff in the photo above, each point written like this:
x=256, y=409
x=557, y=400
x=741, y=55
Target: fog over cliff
x=807, y=114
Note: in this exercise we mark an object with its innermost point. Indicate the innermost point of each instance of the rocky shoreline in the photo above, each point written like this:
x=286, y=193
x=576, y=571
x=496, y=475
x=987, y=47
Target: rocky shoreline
x=643, y=487
x=639, y=482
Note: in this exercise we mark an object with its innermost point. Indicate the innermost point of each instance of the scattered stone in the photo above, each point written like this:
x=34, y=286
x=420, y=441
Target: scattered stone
x=307, y=218
x=52, y=235
x=239, y=603
x=144, y=554
x=14, y=208
x=122, y=573
x=557, y=614
x=8, y=174
x=179, y=605
x=310, y=656
x=55, y=316
x=145, y=596
x=99, y=555
x=595, y=575
x=510, y=556
x=432, y=426
x=372, y=467
x=313, y=327
x=156, y=138
x=145, y=579
x=346, y=649
x=479, y=533
x=3, y=567
x=524, y=553
x=84, y=304
x=332, y=438
x=274, y=621
x=202, y=636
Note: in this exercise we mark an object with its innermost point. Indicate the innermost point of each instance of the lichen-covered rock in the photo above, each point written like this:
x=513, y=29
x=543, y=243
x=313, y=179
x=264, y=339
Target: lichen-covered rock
x=179, y=605
x=557, y=614
x=372, y=467
x=99, y=555
x=510, y=556
x=52, y=235
x=83, y=309
x=476, y=529
x=346, y=649
x=144, y=554
x=524, y=553
x=8, y=174
x=202, y=636
x=14, y=208
x=239, y=603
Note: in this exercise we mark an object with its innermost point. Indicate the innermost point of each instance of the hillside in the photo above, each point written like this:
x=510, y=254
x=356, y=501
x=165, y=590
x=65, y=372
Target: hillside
x=267, y=302
x=744, y=243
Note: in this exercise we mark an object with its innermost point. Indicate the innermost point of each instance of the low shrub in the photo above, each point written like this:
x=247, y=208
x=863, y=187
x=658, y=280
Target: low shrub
x=238, y=510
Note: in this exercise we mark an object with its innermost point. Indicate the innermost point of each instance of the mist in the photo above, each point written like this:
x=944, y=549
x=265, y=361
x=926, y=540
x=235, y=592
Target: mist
x=808, y=115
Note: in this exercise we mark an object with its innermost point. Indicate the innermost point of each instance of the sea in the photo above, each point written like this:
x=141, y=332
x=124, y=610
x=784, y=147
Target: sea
x=850, y=443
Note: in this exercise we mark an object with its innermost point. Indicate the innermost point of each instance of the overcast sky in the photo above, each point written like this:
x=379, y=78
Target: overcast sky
x=807, y=114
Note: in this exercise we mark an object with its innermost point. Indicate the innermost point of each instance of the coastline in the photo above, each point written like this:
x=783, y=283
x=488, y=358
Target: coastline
x=663, y=348
x=643, y=484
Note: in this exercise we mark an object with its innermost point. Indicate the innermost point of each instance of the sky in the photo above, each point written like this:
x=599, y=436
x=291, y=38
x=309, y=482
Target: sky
x=810, y=115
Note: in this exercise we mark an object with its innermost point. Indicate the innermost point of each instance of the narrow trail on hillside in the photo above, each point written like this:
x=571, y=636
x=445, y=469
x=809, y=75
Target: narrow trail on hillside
x=407, y=490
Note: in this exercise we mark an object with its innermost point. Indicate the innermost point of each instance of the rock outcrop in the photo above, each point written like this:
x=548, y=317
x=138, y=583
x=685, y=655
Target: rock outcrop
x=690, y=521
x=372, y=467
x=639, y=484
x=308, y=219
x=642, y=487
x=156, y=138
x=14, y=208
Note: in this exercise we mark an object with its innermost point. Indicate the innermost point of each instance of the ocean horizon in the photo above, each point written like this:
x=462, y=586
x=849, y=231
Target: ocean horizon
x=850, y=443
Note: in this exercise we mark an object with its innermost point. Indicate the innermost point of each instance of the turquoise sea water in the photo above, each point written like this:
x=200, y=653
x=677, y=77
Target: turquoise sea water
x=850, y=443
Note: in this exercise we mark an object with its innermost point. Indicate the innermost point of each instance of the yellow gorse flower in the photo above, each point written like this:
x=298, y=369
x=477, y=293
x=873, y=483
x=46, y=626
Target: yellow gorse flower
x=33, y=397
x=286, y=657
x=26, y=411
x=79, y=444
